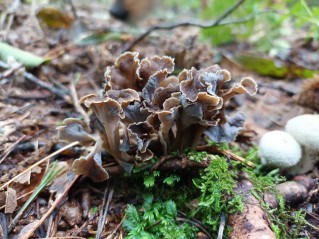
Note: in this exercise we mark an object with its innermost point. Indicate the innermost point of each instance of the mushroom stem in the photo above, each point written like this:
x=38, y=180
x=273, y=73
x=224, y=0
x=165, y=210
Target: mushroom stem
x=306, y=164
x=305, y=128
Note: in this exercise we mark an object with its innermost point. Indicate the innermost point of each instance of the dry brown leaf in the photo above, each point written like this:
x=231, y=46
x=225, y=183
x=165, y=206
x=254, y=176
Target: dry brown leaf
x=26, y=228
x=63, y=179
x=55, y=18
x=11, y=200
x=25, y=178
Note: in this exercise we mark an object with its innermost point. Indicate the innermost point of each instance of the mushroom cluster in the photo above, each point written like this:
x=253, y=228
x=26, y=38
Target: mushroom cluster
x=145, y=112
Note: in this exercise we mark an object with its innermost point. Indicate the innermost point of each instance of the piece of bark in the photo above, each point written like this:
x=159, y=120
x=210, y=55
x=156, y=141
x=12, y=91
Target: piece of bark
x=173, y=164
x=253, y=222
x=11, y=200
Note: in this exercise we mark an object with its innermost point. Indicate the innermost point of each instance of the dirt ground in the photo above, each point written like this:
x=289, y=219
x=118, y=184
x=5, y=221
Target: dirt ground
x=35, y=101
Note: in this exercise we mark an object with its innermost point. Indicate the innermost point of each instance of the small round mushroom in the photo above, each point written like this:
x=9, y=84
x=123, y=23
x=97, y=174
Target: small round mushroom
x=305, y=129
x=279, y=149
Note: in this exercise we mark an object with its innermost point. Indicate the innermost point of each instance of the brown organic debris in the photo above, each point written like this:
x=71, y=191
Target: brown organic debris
x=253, y=222
x=145, y=112
x=11, y=200
x=293, y=192
x=309, y=95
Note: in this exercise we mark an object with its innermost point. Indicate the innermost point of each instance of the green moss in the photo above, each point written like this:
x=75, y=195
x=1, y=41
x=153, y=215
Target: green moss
x=206, y=197
x=194, y=155
x=155, y=220
x=285, y=222
x=217, y=197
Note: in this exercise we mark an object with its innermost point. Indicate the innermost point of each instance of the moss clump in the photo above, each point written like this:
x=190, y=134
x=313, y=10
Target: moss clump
x=194, y=155
x=217, y=197
x=155, y=220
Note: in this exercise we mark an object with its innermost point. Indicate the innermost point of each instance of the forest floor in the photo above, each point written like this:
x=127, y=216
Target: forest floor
x=35, y=101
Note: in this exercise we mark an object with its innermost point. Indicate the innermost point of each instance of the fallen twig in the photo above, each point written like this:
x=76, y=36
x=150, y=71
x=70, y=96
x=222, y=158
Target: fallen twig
x=201, y=24
x=171, y=164
x=183, y=24
x=58, y=92
x=8, y=16
x=54, y=206
x=104, y=209
x=224, y=152
x=75, y=100
x=115, y=229
x=160, y=162
x=30, y=77
x=11, y=148
x=39, y=162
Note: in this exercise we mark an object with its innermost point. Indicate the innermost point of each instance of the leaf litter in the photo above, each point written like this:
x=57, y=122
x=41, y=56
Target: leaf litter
x=31, y=113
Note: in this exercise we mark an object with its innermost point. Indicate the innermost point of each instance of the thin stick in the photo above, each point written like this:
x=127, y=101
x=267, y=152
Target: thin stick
x=160, y=162
x=10, y=71
x=54, y=205
x=104, y=209
x=39, y=162
x=115, y=229
x=73, y=9
x=75, y=100
x=59, y=93
x=30, y=77
x=197, y=24
x=10, y=149
x=221, y=226
x=213, y=149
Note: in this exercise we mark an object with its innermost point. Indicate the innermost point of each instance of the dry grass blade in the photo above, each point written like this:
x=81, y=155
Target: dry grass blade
x=45, y=181
x=104, y=209
x=75, y=100
x=115, y=229
x=39, y=162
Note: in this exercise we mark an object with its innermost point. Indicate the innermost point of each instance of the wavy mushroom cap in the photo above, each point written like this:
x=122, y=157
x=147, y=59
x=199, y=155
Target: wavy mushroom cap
x=279, y=149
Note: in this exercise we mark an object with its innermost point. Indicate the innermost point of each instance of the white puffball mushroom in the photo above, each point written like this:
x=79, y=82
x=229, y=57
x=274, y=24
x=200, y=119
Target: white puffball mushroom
x=279, y=149
x=305, y=129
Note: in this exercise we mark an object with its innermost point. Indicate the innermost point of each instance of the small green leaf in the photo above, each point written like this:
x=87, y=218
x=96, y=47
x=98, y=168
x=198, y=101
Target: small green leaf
x=171, y=180
x=98, y=38
x=149, y=181
x=93, y=210
x=269, y=67
x=29, y=60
